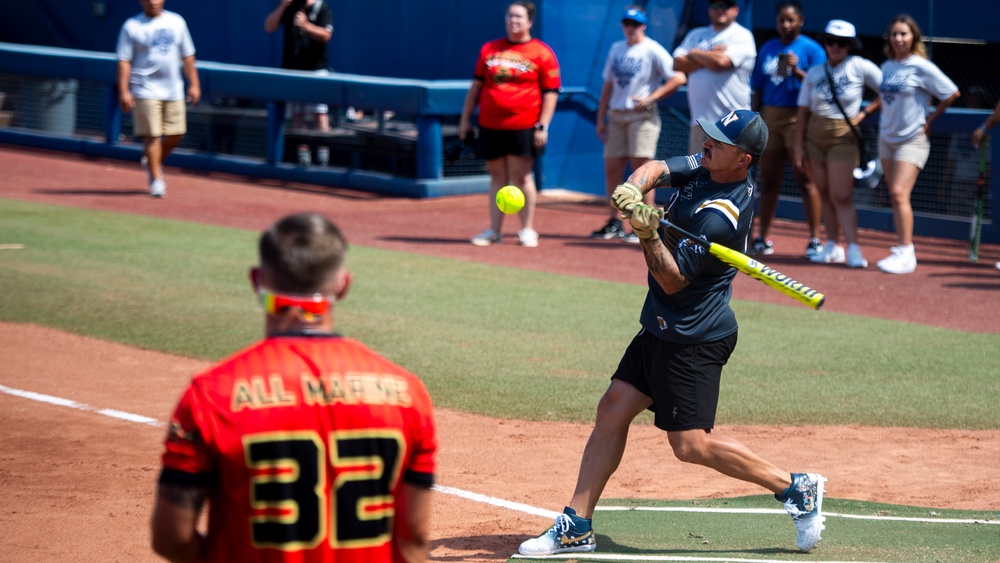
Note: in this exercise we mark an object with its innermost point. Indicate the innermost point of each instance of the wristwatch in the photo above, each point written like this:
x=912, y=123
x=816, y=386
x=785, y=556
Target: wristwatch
x=541, y=127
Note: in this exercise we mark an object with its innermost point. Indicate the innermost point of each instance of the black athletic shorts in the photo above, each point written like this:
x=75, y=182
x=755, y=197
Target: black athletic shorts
x=682, y=379
x=496, y=143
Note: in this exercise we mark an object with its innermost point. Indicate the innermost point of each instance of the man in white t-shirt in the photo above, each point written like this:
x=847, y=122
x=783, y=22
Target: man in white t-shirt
x=718, y=60
x=638, y=73
x=153, y=49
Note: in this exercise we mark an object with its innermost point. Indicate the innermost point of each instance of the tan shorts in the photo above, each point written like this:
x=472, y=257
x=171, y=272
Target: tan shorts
x=158, y=118
x=831, y=139
x=632, y=133
x=780, y=127
x=915, y=150
x=696, y=140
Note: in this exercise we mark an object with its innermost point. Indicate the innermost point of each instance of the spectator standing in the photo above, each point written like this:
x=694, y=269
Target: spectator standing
x=154, y=49
x=960, y=177
x=825, y=145
x=311, y=446
x=308, y=28
x=981, y=132
x=673, y=366
x=777, y=79
x=516, y=86
x=637, y=74
x=909, y=81
x=718, y=60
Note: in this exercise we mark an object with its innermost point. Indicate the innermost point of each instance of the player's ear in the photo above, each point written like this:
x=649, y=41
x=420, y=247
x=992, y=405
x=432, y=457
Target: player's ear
x=343, y=283
x=254, y=274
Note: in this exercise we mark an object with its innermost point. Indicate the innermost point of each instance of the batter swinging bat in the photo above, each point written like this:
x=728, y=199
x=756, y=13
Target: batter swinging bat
x=755, y=269
x=976, y=233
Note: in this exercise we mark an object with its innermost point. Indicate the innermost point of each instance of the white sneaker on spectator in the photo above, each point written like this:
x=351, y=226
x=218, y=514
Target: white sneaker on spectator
x=832, y=253
x=487, y=238
x=158, y=188
x=903, y=260
x=528, y=237
x=855, y=259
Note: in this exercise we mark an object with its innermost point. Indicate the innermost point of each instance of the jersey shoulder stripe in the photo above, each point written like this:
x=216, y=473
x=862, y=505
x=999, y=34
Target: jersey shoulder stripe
x=724, y=207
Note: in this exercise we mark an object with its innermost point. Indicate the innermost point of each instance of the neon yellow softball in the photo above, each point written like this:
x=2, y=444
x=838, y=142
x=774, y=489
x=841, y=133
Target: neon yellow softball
x=510, y=199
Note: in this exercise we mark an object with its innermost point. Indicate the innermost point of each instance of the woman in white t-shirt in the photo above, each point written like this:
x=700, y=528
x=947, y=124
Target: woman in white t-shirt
x=825, y=145
x=909, y=81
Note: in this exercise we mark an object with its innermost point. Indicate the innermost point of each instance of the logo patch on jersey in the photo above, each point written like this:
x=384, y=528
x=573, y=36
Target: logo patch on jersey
x=688, y=243
x=725, y=208
x=663, y=324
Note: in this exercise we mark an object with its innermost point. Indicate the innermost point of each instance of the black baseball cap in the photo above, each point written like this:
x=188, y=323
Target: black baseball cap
x=742, y=128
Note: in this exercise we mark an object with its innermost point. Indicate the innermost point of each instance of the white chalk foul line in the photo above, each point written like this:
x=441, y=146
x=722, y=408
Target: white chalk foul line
x=499, y=502
x=58, y=401
x=781, y=511
x=634, y=557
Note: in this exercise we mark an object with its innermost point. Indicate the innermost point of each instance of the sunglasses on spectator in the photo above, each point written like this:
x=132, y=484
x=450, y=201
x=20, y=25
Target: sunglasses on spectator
x=720, y=5
x=842, y=43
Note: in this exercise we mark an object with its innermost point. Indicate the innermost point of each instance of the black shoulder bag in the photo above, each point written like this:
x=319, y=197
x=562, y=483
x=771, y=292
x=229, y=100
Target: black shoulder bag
x=868, y=171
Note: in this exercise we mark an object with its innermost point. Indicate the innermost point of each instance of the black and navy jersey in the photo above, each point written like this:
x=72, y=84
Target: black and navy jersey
x=720, y=213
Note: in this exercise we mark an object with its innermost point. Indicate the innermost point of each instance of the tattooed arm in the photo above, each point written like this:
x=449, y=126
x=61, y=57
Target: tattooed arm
x=659, y=259
x=174, y=523
x=653, y=174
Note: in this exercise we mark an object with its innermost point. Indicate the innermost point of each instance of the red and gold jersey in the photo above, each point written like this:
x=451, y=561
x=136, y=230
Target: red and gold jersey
x=304, y=441
x=514, y=77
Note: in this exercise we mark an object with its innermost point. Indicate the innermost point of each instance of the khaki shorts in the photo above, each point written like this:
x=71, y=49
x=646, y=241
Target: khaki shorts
x=632, y=133
x=780, y=127
x=831, y=139
x=158, y=118
x=696, y=140
x=915, y=150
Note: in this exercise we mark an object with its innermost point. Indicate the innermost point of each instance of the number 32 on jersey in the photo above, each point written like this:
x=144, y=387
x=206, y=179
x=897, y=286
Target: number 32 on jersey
x=293, y=505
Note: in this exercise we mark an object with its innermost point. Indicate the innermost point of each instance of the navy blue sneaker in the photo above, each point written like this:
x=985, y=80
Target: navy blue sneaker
x=569, y=534
x=804, y=503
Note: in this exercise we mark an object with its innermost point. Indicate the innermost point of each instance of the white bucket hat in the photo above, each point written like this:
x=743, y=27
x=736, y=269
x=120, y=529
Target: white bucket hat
x=843, y=30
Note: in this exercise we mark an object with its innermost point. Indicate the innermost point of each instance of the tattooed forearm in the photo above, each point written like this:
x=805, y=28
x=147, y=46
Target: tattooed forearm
x=653, y=174
x=663, y=267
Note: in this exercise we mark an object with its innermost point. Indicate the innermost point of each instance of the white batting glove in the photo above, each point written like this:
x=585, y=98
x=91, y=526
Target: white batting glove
x=625, y=197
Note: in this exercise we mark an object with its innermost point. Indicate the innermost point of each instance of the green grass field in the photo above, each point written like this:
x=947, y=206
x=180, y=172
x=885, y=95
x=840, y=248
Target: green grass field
x=482, y=336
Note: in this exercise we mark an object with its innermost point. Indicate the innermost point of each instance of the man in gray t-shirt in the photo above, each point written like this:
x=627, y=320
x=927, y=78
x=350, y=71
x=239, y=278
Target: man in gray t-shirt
x=153, y=49
x=718, y=60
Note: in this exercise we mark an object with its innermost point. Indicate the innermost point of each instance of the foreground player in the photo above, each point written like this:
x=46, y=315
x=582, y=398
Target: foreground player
x=309, y=446
x=674, y=364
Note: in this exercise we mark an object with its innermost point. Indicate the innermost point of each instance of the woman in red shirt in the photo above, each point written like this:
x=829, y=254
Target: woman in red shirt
x=516, y=85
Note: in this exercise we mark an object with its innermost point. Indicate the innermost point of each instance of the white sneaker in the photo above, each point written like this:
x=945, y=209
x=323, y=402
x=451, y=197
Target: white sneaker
x=854, y=257
x=158, y=188
x=804, y=503
x=528, y=237
x=487, y=238
x=903, y=260
x=832, y=253
x=570, y=534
